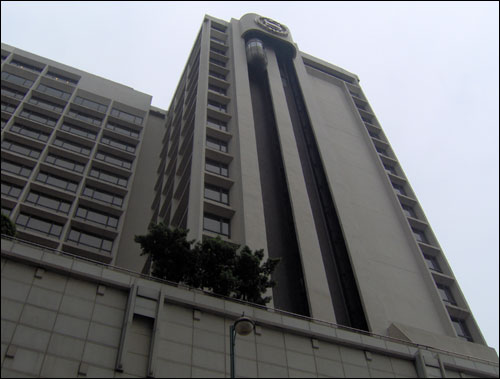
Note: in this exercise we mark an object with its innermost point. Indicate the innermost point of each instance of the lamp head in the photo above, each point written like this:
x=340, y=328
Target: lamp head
x=244, y=326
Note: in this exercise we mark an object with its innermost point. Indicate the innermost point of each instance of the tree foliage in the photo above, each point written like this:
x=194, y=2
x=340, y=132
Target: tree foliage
x=212, y=264
x=8, y=227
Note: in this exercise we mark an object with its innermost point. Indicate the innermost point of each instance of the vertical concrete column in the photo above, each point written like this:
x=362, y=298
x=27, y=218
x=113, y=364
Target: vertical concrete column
x=316, y=283
x=195, y=207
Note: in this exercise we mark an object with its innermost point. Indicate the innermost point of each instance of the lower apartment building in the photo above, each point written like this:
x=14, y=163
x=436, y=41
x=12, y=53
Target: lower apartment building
x=263, y=145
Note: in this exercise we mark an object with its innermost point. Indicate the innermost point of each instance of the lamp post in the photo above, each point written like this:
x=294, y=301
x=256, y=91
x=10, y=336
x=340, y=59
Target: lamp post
x=243, y=326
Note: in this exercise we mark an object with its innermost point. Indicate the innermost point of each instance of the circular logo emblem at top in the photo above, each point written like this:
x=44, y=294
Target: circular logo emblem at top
x=272, y=26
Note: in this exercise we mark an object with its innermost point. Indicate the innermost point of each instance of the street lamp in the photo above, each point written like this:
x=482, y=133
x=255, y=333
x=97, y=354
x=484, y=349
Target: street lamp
x=243, y=326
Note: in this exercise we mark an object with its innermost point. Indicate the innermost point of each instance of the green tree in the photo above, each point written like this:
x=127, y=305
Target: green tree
x=8, y=227
x=254, y=278
x=212, y=264
x=171, y=253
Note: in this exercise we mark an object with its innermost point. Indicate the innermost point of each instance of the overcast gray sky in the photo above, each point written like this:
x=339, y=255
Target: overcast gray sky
x=429, y=70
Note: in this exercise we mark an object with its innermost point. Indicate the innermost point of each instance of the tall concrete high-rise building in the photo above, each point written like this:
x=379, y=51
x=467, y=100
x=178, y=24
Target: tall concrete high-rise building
x=263, y=145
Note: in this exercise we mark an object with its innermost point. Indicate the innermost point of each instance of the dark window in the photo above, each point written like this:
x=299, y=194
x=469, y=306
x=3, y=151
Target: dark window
x=84, y=117
x=25, y=65
x=122, y=130
x=46, y=104
x=216, y=74
x=111, y=159
x=217, y=106
x=420, y=236
x=17, y=79
x=381, y=151
x=108, y=177
x=216, y=224
x=399, y=189
x=103, y=196
x=91, y=104
x=217, y=144
x=56, y=181
x=65, y=163
x=118, y=144
x=98, y=217
x=217, y=89
x=78, y=131
x=446, y=294
x=45, y=201
x=72, y=146
x=61, y=78
x=432, y=263
x=218, y=194
x=16, y=168
x=11, y=190
x=126, y=116
x=44, y=226
x=91, y=240
x=216, y=167
x=38, y=117
x=9, y=108
x=218, y=62
x=12, y=93
x=390, y=169
x=409, y=211
x=221, y=125
x=21, y=149
x=53, y=92
x=461, y=329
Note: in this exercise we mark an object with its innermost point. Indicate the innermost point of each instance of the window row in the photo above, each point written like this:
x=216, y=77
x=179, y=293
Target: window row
x=23, y=82
x=21, y=149
x=126, y=116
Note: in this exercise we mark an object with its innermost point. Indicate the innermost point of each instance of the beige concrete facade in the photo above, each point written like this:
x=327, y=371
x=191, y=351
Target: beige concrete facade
x=66, y=317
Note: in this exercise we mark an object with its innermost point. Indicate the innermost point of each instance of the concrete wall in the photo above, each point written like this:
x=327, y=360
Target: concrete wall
x=62, y=316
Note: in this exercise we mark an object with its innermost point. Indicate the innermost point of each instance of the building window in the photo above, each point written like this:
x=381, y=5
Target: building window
x=381, y=151
x=218, y=62
x=45, y=201
x=216, y=74
x=216, y=167
x=408, y=211
x=38, y=117
x=56, y=181
x=72, y=146
x=9, y=108
x=390, y=169
x=108, y=177
x=84, y=117
x=461, y=329
x=16, y=168
x=53, y=92
x=103, y=196
x=29, y=132
x=91, y=240
x=420, y=236
x=117, y=144
x=12, y=93
x=81, y=132
x=217, y=106
x=61, y=78
x=399, y=189
x=446, y=294
x=217, y=89
x=126, y=116
x=21, y=149
x=46, y=104
x=98, y=217
x=111, y=159
x=65, y=163
x=11, y=190
x=122, y=130
x=91, y=104
x=47, y=227
x=217, y=144
x=218, y=194
x=217, y=124
x=17, y=79
x=432, y=263
x=216, y=224
x=26, y=66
